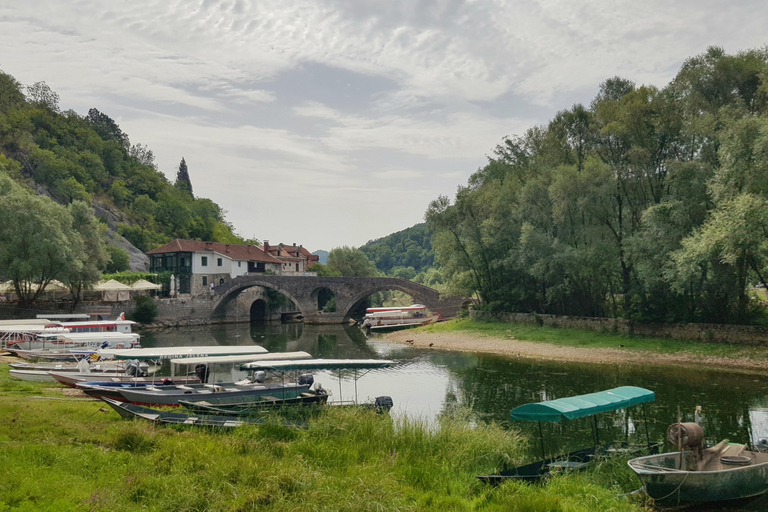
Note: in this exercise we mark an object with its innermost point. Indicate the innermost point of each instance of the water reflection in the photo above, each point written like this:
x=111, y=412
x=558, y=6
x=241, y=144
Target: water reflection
x=425, y=382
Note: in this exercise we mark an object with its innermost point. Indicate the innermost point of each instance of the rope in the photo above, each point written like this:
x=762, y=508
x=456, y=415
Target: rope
x=676, y=488
x=630, y=493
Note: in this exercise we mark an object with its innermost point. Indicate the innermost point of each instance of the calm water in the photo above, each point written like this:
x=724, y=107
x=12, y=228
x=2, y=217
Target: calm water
x=425, y=383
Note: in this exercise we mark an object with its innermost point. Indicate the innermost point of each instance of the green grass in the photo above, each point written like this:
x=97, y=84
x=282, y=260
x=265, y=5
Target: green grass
x=65, y=455
x=592, y=339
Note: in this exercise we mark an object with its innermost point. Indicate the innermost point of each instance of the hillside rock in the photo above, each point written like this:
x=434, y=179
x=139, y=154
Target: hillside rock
x=139, y=260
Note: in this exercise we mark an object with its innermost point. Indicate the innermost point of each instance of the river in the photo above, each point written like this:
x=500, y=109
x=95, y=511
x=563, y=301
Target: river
x=426, y=383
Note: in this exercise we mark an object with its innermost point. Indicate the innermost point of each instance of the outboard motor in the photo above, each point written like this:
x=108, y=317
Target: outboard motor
x=203, y=372
x=306, y=378
x=383, y=404
x=259, y=377
x=132, y=368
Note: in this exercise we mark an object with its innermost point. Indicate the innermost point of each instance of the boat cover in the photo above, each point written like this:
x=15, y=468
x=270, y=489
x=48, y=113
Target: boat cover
x=246, y=358
x=580, y=406
x=318, y=364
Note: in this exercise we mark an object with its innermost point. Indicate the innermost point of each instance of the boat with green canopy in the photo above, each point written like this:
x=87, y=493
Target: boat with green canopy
x=571, y=408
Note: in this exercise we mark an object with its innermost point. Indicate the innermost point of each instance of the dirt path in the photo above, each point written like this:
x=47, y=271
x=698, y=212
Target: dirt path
x=471, y=342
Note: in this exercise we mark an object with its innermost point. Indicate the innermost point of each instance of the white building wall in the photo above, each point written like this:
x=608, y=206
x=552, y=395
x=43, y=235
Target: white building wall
x=212, y=267
x=239, y=268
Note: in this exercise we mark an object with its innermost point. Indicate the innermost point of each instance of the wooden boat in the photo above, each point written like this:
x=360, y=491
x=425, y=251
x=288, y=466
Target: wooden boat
x=131, y=411
x=396, y=318
x=723, y=472
x=570, y=408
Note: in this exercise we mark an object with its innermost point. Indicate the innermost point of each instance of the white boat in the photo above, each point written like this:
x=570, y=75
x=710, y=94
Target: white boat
x=395, y=318
x=159, y=353
x=79, y=340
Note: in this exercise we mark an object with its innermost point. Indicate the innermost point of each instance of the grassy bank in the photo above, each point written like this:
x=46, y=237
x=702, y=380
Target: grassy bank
x=591, y=339
x=60, y=454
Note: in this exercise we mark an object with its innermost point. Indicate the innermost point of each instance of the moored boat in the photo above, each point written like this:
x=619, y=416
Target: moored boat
x=691, y=475
x=571, y=408
x=131, y=411
x=212, y=393
x=72, y=379
x=388, y=319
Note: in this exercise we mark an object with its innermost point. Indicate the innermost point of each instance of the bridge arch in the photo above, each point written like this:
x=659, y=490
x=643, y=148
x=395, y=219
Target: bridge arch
x=418, y=298
x=224, y=302
x=348, y=291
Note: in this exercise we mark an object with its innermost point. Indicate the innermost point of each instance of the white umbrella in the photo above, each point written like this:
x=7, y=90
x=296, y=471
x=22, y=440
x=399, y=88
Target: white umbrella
x=173, y=285
x=143, y=284
x=111, y=285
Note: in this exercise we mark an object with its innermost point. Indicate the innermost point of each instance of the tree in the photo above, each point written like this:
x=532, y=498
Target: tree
x=351, y=262
x=107, y=128
x=183, y=182
x=93, y=251
x=38, y=242
x=119, y=260
x=41, y=95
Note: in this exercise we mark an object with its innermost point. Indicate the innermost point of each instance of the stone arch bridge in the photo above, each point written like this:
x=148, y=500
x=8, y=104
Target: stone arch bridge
x=349, y=292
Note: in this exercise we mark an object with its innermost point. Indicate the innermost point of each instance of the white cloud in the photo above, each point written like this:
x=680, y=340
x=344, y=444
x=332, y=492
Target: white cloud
x=197, y=78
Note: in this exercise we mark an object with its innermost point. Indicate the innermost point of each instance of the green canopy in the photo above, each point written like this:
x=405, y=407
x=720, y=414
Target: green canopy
x=583, y=405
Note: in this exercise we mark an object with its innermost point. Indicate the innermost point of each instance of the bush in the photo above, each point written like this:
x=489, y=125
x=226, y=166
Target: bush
x=119, y=260
x=146, y=310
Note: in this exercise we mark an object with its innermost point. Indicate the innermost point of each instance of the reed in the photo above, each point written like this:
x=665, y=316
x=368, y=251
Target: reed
x=65, y=455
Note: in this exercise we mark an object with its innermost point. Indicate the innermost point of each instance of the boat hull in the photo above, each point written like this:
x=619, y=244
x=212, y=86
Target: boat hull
x=670, y=486
x=32, y=375
x=213, y=394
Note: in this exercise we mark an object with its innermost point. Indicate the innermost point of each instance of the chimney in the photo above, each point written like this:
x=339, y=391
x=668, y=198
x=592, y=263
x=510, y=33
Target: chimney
x=266, y=245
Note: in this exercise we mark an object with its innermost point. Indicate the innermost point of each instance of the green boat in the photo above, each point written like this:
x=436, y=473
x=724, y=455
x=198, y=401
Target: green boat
x=571, y=408
x=723, y=472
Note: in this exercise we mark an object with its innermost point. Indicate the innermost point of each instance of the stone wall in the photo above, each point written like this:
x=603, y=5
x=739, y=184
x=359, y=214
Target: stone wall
x=707, y=333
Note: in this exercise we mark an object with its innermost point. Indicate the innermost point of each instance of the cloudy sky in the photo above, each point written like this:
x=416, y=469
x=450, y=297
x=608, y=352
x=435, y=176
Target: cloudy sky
x=334, y=122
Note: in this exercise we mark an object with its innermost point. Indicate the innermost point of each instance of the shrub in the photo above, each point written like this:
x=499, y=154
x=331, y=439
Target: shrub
x=146, y=310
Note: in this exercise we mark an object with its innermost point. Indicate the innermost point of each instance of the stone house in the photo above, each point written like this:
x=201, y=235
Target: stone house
x=197, y=265
x=295, y=258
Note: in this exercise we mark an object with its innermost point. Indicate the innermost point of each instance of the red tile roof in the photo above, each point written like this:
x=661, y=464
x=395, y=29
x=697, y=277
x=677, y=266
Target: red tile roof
x=233, y=251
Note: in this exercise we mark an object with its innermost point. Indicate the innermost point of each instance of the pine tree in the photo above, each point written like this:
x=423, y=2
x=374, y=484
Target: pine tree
x=182, y=178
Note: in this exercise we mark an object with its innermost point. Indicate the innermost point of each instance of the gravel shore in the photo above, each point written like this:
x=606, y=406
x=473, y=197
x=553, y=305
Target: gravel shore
x=470, y=342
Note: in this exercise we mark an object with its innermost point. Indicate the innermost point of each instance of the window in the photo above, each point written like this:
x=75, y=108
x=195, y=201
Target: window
x=205, y=279
x=239, y=263
x=218, y=262
x=182, y=262
x=204, y=261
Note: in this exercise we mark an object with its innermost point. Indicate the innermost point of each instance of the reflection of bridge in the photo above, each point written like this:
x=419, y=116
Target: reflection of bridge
x=348, y=291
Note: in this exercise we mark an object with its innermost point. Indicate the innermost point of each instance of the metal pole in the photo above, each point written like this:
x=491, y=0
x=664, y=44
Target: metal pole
x=645, y=420
x=355, y=386
x=597, y=437
x=541, y=437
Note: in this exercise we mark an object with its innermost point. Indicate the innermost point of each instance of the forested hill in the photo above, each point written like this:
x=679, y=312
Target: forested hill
x=71, y=157
x=648, y=203
x=411, y=247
